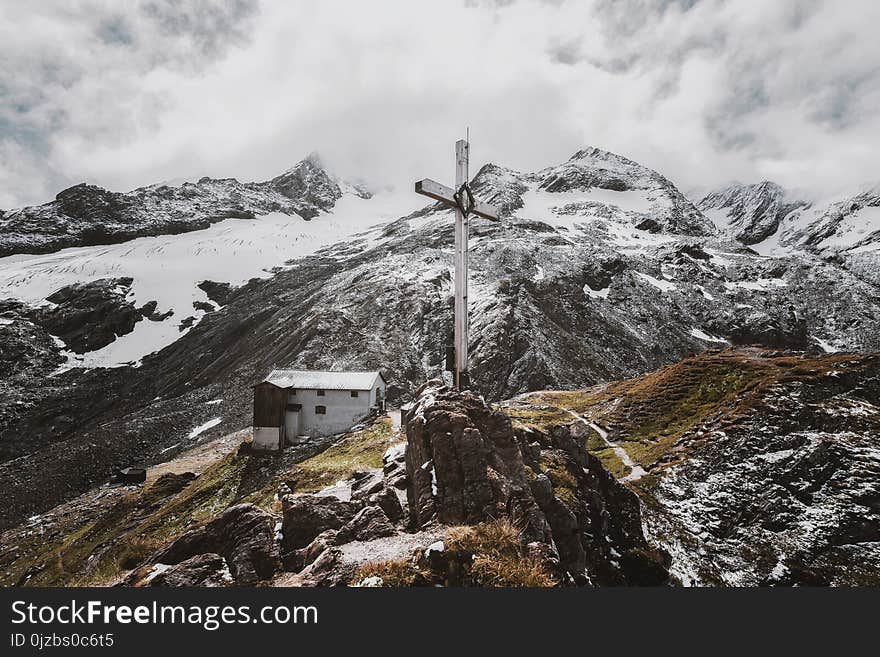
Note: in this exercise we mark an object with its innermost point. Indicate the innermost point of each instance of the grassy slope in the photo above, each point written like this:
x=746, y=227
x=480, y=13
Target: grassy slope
x=650, y=414
x=136, y=524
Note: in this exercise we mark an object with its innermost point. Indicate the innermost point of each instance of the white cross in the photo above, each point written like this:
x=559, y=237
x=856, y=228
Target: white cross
x=460, y=199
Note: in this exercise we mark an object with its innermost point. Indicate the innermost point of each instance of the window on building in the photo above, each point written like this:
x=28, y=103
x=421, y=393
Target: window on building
x=294, y=407
x=354, y=393
x=320, y=410
x=320, y=393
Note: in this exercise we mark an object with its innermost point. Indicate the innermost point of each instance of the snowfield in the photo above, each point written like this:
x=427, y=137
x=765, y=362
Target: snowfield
x=168, y=268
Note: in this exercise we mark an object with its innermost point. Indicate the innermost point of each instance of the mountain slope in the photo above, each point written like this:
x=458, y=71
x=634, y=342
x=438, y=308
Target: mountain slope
x=600, y=270
x=762, y=468
x=765, y=216
x=738, y=467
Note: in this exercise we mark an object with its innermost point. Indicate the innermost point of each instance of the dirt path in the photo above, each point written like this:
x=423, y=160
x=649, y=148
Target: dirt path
x=636, y=471
x=197, y=458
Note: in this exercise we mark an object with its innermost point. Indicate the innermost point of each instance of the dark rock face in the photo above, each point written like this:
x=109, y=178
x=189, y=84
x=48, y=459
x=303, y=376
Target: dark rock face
x=467, y=464
x=90, y=203
x=369, y=523
x=782, y=331
x=217, y=292
x=308, y=181
x=243, y=534
x=207, y=570
x=307, y=516
x=595, y=520
x=88, y=316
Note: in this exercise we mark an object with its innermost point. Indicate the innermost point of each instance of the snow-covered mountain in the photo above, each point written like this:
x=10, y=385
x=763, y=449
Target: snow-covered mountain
x=769, y=219
x=600, y=270
x=86, y=215
x=165, y=269
x=751, y=213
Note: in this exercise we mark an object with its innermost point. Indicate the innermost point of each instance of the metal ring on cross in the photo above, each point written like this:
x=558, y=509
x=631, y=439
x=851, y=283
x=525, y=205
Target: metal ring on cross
x=464, y=199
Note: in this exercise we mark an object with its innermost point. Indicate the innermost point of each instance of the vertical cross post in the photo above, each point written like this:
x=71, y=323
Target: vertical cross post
x=461, y=270
x=462, y=200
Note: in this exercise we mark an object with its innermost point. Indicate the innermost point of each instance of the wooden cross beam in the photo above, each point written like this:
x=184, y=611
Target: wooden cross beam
x=465, y=205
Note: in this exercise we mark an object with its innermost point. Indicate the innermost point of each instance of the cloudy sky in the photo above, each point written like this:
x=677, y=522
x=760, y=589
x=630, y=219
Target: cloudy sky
x=123, y=94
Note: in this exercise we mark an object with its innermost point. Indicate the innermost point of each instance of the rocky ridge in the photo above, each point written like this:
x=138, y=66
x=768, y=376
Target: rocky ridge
x=85, y=214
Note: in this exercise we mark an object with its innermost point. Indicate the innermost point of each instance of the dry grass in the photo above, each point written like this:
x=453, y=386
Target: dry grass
x=489, y=554
x=394, y=573
x=360, y=450
x=498, y=557
x=564, y=482
x=543, y=419
x=647, y=415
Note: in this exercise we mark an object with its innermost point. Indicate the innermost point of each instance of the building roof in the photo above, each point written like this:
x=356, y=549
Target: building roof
x=312, y=380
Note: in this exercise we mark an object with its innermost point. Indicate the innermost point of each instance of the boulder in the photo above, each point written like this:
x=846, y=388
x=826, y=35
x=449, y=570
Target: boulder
x=369, y=523
x=201, y=570
x=329, y=569
x=307, y=516
x=387, y=500
x=243, y=534
x=88, y=316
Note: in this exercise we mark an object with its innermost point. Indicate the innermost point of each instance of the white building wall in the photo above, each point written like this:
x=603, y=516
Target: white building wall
x=343, y=410
x=377, y=384
x=291, y=425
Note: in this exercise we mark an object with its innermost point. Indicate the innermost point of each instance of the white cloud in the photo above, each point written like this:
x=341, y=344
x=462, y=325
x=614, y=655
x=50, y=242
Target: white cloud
x=124, y=95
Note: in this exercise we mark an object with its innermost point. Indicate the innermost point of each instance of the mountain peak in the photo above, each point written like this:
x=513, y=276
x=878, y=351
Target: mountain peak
x=314, y=159
x=600, y=155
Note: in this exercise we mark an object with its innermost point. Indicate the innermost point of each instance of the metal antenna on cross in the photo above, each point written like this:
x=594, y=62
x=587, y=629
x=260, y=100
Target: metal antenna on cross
x=463, y=201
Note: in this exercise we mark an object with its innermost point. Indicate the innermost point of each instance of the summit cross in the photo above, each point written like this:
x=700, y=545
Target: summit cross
x=465, y=205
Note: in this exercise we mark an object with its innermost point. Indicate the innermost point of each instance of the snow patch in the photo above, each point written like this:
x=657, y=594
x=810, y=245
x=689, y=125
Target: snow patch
x=663, y=286
x=705, y=294
x=760, y=285
x=854, y=228
x=202, y=428
x=700, y=335
x=827, y=347
x=597, y=294
x=553, y=207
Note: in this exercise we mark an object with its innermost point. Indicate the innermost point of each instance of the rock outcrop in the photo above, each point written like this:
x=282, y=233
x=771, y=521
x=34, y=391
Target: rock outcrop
x=467, y=464
x=207, y=570
x=88, y=316
x=306, y=516
x=242, y=534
